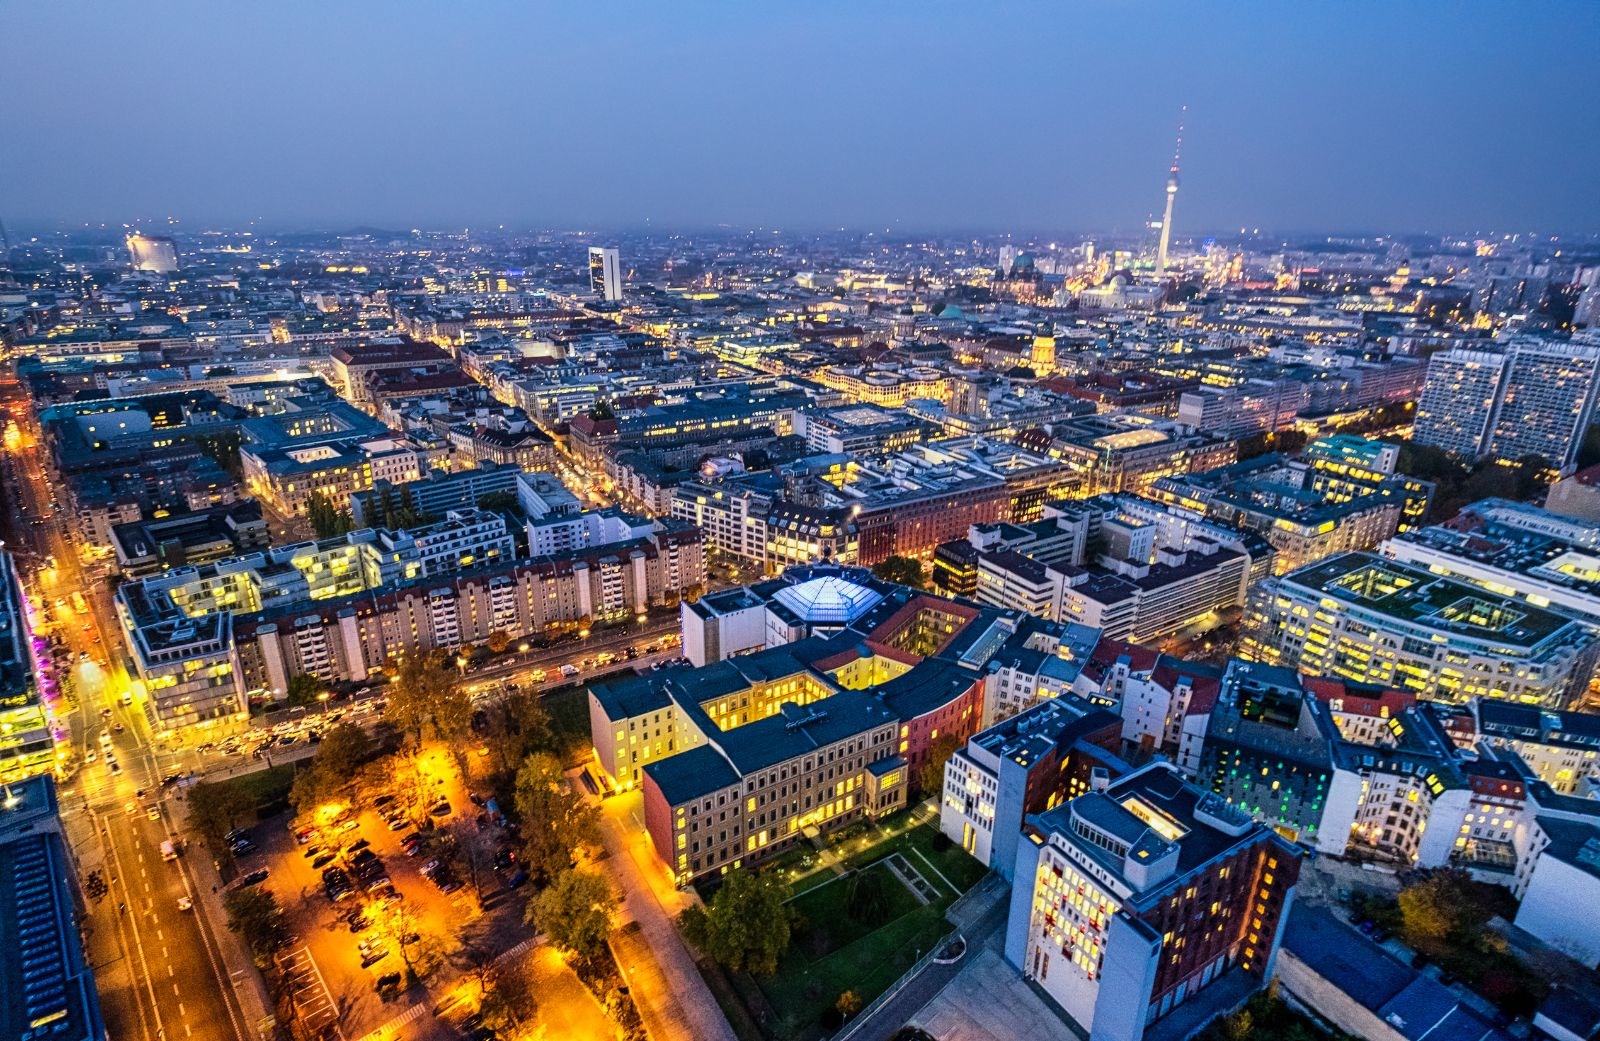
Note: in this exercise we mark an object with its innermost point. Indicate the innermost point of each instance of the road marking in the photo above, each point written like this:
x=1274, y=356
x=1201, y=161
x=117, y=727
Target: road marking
x=181, y=1010
x=174, y=986
x=171, y=973
x=160, y=937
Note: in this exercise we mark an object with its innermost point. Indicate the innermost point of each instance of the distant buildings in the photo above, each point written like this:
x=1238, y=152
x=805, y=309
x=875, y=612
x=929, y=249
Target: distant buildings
x=605, y=273
x=156, y=253
x=1535, y=397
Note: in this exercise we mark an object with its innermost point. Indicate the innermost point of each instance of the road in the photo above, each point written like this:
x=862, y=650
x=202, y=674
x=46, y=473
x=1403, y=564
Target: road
x=164, y=978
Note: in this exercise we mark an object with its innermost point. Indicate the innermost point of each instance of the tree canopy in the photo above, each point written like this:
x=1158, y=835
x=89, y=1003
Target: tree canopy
x=746, y=925
x=903, y=570
x=426, y=693
x=575, y=912
x=555, y=820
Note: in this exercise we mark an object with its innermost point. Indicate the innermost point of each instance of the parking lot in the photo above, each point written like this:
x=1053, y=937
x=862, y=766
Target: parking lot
x=363, y=900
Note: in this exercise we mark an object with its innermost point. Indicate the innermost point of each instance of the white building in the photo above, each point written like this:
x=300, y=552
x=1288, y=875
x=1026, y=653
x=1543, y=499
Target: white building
x=605, y=273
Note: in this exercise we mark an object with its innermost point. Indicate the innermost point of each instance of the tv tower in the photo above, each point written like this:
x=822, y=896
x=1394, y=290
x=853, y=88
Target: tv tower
x=1172, y=193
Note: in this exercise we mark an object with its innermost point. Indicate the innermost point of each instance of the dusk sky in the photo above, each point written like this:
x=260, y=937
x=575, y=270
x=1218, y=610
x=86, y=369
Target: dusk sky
x=1024, y=117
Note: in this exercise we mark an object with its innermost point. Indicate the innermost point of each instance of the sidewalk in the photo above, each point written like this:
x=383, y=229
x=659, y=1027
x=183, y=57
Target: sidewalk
x=248, y=988
x=672, y=998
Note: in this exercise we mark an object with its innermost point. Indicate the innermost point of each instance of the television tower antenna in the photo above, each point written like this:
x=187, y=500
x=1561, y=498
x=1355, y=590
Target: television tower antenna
x=1172, y=194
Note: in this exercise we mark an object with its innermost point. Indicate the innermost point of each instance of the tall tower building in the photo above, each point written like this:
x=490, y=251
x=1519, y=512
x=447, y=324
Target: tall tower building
x=1547, y=400
x=1172, y=195
x=156, y=253
x=1534, y=397
x=1458, y=401
x=605, y=273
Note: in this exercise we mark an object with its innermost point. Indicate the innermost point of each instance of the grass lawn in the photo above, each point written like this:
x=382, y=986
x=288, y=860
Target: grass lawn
x=831, y=952
x=827, y=923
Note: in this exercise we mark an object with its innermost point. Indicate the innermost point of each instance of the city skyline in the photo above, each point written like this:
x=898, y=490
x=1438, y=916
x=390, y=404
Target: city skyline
x=1051, y=121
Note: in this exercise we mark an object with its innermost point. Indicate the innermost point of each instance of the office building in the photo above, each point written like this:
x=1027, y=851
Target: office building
x=1131, y=900
x=1363, y=618
x=1024, y=765
x=605, y=273
x=27, y=733
x=49, y=990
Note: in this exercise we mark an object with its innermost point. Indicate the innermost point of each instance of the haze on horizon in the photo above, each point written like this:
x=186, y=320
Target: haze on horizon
x=1353, y=117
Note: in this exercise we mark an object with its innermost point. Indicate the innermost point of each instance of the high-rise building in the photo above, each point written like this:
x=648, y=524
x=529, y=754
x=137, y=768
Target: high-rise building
x=1546, y=401
x=1535, y=397
x=605, y=273
x=156, y=253
x=1458, y=400
x=1133, y=898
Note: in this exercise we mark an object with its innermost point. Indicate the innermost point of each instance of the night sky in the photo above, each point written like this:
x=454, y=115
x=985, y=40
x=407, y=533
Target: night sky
x=1337, y=116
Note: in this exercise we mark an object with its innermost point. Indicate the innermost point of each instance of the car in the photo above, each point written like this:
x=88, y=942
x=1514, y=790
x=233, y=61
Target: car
x=516, y=880
x=382, y=801
x=316, y=849
x=388, y=897
x=431, y=866
x=153, y=814
x=398, y=824
x=241, y=848
x=505, y=858
x=475, y=798
x=357, y=846
x=254, y=878
x=322, y=860
x=369, y=960
x=117, y=728
x=185, y=903
x=439, y=809
x=335, y=874
x=389, y=982
x=358, y=920
x=305, y=835
x=170, y=780
x=91, y=757
x=450, y=886
x=116, y=768
x=350, y=825
x=236, y=834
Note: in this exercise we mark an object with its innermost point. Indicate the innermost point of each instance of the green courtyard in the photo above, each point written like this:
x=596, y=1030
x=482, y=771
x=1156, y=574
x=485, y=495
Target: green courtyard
x=832, y=950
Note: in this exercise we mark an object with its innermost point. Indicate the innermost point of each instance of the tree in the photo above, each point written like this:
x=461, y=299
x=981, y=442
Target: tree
x=426, y=694
x=334, y=769
x=420, y=952
x=575, y=912
x=902, y=570
x=849, y=1004
x=470, y=848
x=930, y=776
x=515, y=728
x=746, y=925
x=510, y=1004
x=1444, y=909
x=303, y=688
x=586, y=623
x=555, y=820
x=254, y=914
x=498, y=641
x=327, y=520
x=216, y=808
x=867, y=897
